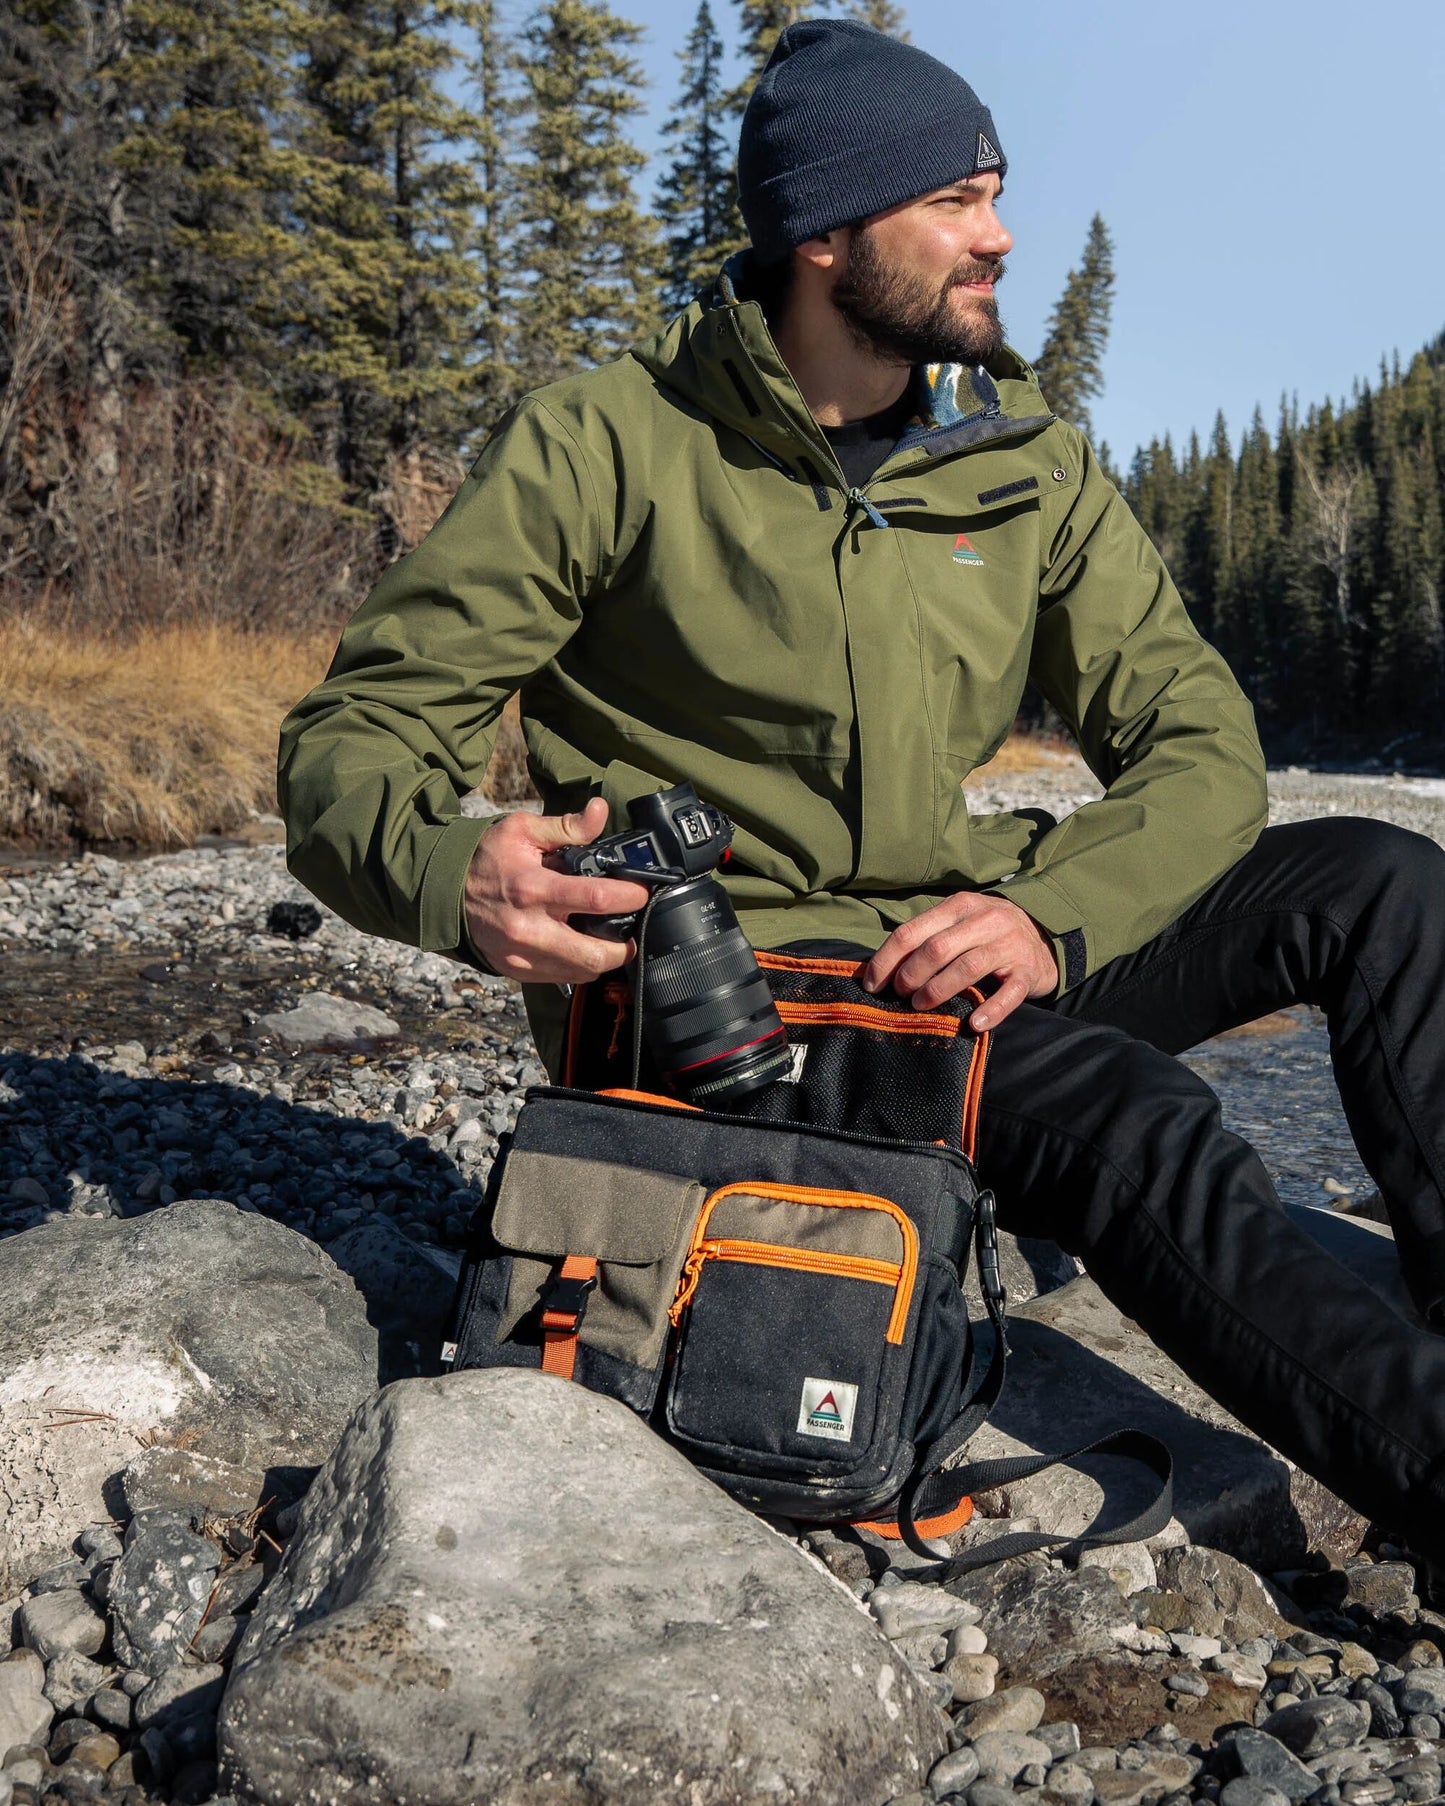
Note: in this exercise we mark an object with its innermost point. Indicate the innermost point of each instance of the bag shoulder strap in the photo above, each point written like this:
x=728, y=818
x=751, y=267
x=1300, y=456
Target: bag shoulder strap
x=930, y=1504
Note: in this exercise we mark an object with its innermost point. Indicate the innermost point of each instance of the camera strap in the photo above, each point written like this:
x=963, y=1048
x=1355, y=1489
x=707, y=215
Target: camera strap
x=639, y=971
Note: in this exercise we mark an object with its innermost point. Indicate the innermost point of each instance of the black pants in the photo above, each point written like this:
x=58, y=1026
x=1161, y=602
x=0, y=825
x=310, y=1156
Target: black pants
x=1092, y=1134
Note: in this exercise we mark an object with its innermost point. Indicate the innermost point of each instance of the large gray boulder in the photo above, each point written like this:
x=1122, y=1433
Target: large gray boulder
x=1080, y=1369
x=505, y=1588
x=202, y=1327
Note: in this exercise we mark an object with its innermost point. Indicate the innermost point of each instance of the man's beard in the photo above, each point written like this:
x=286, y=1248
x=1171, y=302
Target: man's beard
x=904, y=318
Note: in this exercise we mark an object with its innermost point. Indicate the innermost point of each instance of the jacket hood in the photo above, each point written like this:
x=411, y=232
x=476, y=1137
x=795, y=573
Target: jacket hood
x=718, y=356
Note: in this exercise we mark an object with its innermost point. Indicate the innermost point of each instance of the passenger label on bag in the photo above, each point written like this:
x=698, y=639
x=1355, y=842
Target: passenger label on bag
x=828, y=1409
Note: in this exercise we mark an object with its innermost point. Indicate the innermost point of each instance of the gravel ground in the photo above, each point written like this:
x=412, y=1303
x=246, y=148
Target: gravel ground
x=133, y=1070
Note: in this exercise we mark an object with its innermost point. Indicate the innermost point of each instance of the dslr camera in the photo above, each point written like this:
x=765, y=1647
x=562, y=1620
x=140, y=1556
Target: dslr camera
x=707, y=1014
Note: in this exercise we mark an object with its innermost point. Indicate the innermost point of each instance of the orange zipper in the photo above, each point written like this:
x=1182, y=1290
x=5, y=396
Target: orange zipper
x=857, y=1266
x=868, y=1015
x=798, y=1260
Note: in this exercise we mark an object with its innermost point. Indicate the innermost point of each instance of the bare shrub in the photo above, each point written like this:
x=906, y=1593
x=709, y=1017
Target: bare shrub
x=216, y=514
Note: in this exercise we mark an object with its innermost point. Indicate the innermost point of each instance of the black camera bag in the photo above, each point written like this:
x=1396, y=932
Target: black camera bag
x=778, y=1290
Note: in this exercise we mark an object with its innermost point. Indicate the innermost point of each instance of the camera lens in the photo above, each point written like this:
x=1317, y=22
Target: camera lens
x=708, y=1015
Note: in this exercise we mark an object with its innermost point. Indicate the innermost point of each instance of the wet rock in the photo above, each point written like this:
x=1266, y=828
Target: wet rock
x=681, y=1647
x=336, y=1024
x=203, y=1323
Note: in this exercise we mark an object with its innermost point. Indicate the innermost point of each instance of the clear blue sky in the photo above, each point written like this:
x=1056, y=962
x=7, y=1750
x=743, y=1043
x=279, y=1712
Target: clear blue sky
x=1272, y=173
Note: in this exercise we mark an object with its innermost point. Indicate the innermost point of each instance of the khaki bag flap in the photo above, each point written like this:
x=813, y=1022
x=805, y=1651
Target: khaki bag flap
x=556, y=1204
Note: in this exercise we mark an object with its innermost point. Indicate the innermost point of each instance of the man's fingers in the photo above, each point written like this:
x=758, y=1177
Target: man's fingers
x=961, y=952
x=909, y=936
x=562, y=894
x=1005, y=1000
x=549, y=831
x=554, y=953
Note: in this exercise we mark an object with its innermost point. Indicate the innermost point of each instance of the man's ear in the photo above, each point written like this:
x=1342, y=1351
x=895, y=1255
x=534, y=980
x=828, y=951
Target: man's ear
x=828, y=251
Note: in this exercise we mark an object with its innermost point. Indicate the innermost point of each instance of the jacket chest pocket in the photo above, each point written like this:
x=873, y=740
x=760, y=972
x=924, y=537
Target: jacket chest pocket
x=792, y=1315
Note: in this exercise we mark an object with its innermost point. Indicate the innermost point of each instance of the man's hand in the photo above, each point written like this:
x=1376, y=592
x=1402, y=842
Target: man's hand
x=966, y=938
x=516, y=905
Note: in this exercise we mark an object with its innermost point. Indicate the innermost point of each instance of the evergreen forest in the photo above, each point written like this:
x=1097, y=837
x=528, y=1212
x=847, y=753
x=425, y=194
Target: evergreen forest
x=271, y=269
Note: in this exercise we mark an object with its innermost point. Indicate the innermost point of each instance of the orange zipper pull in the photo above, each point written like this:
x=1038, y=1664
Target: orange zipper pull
x=687, y=1285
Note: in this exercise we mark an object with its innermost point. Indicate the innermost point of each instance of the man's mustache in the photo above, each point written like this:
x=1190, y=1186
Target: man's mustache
x=977, y=272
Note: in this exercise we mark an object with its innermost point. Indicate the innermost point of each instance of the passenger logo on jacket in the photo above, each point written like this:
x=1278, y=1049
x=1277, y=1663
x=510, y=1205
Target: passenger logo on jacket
x=963, y=551
x=828, y=1409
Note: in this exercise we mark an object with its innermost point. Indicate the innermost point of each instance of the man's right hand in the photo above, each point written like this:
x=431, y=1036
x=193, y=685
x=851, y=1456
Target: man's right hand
x=516, y=906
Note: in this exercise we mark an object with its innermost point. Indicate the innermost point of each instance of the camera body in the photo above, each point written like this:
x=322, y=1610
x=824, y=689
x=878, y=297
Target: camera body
x=674, y=837
x=707, y=1014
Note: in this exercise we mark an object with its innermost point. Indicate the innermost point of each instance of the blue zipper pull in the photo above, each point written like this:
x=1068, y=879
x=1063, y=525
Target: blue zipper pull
x=857, y=499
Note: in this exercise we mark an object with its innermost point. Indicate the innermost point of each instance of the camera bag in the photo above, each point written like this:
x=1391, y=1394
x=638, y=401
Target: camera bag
x=778, y=1289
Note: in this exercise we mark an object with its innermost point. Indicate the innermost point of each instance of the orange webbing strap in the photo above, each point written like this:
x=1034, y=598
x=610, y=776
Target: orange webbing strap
x=563, y=1305
x=973, y=1089
x=943, y=1525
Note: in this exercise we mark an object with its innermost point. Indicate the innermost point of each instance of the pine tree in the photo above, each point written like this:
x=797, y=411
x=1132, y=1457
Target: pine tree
x=696, y=203
x=1071, y=365
x=883, y=15
x=202, y=81
x=383, y=295
x=760, y=24
x=587, y=253
x=492, y=70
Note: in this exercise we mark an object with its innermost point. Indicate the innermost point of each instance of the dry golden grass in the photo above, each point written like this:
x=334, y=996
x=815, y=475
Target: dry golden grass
x=151, y=740
x=160, y=737
x=1023, y=753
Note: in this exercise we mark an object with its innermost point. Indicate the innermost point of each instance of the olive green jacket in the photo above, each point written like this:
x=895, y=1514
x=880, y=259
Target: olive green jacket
x=663, y=555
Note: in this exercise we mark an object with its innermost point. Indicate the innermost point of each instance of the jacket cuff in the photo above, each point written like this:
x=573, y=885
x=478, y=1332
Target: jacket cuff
x=441, y=922
x=1058, y=915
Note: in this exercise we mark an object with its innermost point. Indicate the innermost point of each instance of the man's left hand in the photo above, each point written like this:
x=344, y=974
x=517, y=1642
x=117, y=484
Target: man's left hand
x=957, y=943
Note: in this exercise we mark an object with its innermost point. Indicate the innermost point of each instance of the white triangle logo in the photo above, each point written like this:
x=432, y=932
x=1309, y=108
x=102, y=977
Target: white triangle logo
x=986, y=157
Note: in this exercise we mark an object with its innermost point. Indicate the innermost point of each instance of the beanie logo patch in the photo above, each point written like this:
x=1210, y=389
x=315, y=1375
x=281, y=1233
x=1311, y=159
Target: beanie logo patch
x=986, y=155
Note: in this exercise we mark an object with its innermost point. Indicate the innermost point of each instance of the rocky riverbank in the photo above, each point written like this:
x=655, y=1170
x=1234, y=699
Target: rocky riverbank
x=239, y=1143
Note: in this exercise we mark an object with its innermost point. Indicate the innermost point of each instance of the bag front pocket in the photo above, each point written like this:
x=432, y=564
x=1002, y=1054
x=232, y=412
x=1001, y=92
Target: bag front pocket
x=792, y=1313
x=631, y=1225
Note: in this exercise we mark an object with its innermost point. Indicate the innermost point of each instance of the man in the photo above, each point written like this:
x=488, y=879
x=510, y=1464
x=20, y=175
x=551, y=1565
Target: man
x=808, y=558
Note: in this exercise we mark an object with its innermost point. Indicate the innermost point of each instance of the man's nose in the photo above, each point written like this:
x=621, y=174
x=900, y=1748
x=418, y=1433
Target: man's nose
x=992, y=238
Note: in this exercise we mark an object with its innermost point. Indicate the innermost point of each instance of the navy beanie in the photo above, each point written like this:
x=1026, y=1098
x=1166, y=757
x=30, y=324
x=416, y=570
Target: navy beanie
x=845, y=122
